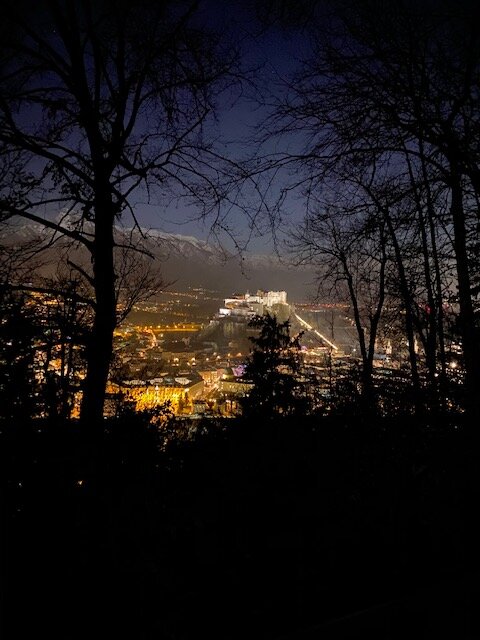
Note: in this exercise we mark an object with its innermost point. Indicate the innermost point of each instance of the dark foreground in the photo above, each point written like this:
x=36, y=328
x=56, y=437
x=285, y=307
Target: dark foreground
x=313, y=529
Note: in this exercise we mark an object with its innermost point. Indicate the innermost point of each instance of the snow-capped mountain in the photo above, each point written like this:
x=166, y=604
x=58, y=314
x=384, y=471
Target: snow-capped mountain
x=187, y=261
x=193, y=262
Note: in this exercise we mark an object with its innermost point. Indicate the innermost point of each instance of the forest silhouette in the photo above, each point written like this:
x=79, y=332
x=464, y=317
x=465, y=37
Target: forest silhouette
x=331, y=511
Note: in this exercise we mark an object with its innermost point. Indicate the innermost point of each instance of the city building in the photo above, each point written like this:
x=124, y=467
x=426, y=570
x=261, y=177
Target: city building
x=248, y=305
x=179, y=388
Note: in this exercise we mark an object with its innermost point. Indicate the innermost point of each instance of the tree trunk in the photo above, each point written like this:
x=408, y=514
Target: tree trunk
x=437, y=271
x=470, y=346
x=100, y=344
x=430, y=339
x=409, y=323
x=367, y=357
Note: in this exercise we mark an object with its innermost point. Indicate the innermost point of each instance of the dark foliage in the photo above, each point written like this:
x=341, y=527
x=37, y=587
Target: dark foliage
x=245, y=529
x=41, y=345
x=274, y=369
x=18, y=332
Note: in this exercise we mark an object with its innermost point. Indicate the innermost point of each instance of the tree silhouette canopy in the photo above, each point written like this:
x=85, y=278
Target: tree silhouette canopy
x=274, y=369
x=98, y=100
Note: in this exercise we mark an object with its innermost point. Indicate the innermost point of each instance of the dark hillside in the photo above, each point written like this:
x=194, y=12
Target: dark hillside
x=245, y=530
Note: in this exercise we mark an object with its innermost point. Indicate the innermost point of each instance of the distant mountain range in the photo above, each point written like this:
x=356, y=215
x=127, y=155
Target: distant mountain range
x=193, y=262
x=190, y=262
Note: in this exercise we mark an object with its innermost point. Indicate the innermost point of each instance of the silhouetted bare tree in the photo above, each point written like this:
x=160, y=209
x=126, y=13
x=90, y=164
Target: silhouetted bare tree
x=350, y=250
x=393, y=92
x=98, y=99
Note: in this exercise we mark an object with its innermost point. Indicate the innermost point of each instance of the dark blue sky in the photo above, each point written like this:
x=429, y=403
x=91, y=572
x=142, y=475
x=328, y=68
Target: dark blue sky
x=276, y=54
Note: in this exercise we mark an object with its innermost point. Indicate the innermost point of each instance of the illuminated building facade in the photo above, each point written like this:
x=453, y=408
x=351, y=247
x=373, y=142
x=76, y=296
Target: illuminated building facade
x=248, y=305
x=180, y=389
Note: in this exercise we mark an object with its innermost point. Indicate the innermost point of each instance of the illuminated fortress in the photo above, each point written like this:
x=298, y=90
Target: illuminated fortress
x=250, y=305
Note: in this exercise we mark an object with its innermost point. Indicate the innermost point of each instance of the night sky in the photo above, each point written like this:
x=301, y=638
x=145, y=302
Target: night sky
x=274, y=52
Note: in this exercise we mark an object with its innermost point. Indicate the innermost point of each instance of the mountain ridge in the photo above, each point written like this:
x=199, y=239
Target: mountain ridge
x=191, y=262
